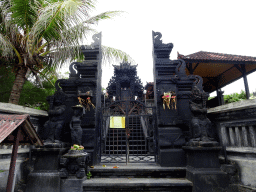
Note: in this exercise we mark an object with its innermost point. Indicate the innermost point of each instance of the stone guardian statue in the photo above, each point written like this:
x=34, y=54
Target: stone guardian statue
x=75, y=125
x=56, y=117
x=200, y=124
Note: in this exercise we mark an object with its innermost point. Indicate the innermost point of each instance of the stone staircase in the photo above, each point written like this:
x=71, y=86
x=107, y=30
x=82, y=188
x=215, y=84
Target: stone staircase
x=137, y=177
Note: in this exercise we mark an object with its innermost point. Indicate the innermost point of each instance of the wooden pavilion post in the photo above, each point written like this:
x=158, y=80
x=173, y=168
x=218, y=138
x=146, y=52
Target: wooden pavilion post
x=13, y=160
x=190, y=68
x=219, y=93
x=245, y=82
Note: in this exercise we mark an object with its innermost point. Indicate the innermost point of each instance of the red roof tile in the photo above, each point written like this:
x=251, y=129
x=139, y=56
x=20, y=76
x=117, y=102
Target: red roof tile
x=203, y=55
x=8, y=123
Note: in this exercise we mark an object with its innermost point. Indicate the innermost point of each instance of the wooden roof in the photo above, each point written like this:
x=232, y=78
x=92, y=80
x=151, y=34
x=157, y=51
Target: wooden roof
x=8, y=125
x=217, y=69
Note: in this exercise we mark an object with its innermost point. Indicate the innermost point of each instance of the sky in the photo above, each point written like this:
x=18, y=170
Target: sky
x=191, y=25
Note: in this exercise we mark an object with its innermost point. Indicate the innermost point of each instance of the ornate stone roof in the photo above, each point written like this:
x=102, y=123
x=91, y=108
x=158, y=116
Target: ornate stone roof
x=125, y=66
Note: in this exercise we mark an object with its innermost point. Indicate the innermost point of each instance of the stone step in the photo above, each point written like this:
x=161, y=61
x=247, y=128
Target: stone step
x=137, y=170
x=137, y=184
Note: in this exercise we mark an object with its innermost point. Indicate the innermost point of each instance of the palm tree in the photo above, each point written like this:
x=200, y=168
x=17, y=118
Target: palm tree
x=37, y=36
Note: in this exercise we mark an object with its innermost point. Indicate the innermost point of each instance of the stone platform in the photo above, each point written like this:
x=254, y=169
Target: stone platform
x=137, y=177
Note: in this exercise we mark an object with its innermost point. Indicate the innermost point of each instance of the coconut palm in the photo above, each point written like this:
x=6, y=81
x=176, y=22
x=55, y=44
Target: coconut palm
x=38, y=36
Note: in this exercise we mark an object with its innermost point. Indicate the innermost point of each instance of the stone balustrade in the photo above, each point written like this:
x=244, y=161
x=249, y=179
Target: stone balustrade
x=235, y=124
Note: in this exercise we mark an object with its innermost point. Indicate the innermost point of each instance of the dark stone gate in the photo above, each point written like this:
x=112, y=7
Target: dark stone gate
x=132, y=142
x=135, y=140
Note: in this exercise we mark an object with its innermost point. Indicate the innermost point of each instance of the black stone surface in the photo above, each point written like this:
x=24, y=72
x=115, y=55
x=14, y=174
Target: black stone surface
x=207, y=179
x=202, y=157
x=43, y=182
x=71, y=185
x=45, y=176
x=172, y=158
x=170, y=137
x=203, y=169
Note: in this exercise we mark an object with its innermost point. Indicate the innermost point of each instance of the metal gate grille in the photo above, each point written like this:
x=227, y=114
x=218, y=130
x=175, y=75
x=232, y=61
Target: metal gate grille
x=132, y=143
x=137, y=140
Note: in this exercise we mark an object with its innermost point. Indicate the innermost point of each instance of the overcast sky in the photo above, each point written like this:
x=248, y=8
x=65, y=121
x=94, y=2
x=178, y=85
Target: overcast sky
x=191, y=25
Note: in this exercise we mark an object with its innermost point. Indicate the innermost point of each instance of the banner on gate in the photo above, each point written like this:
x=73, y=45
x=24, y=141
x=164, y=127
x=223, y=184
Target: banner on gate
x=117, y=122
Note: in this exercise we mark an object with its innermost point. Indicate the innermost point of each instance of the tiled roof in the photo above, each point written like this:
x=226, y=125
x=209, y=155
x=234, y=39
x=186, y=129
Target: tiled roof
x=203, y=55
x=8, y=123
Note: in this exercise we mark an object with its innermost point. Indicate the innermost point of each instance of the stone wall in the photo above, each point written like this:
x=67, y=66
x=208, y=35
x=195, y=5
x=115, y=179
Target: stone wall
x=37, y=117
x=236, y=127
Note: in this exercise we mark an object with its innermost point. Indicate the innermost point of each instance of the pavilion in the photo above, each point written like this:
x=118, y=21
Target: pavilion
x=219, y=70
x=15, y=130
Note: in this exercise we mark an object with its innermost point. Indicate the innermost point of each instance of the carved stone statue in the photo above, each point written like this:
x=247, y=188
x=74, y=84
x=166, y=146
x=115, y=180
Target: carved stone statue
x=200, y=124
x=75, y=125
x=56, y=117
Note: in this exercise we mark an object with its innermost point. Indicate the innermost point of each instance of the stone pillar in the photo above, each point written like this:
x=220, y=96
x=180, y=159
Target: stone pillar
x=252, y=135
x=166, y=79
x=232, y=136
x=224, y=136
x=45, y=176
x=238, y=137
x=203, y=169
x=245, y=137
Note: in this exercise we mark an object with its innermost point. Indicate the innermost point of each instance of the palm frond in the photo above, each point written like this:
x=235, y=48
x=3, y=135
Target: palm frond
x=66, y=23
x=56, y=58
x=78, y=32
x=110, y=54
x=106, y=15
x=7, y=48
x=59, y=56
x=58, y=17
x=5, y=15
x=24, y=12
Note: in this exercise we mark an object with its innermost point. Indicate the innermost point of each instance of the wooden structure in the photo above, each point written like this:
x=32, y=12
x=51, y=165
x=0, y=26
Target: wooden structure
x=16, y=129
x=219, y=69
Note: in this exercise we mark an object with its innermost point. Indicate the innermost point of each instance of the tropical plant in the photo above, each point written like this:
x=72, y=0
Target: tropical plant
x=234, y=97
x=38, y=36
x=32, y=94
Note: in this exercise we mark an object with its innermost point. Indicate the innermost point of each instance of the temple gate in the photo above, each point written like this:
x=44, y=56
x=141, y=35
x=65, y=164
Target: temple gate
x=128, y=130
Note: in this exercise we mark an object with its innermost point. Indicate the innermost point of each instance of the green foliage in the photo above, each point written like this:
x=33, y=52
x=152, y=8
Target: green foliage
x=31, y=96
x=35, y=97
x=39, y=36
x=234, y=97
x=6, y=82
x=209, y=98
x=89, y=175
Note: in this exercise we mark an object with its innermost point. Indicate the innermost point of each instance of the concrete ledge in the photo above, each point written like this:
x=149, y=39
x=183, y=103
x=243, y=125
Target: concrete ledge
x=247, y=169
x=246, y=150
x=4, y=166
x=245, y=104
x=136, y=182
x=17, y=109
x=9, y=151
